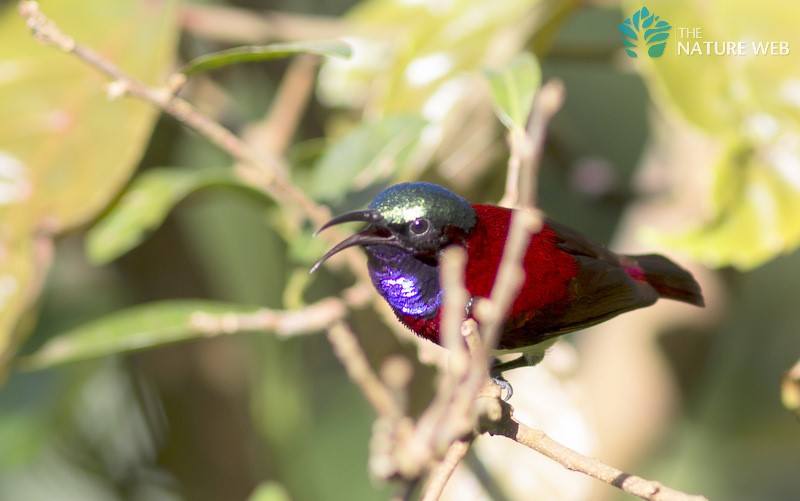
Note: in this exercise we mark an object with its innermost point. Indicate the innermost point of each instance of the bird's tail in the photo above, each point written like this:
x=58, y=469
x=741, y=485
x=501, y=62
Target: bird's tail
x=670, y=280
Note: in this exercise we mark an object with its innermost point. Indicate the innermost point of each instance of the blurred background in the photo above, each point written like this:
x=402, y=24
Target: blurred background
x=694, y=156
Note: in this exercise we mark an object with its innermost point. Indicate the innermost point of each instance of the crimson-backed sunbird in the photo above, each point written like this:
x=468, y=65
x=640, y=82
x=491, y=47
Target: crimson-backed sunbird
x=570, y=282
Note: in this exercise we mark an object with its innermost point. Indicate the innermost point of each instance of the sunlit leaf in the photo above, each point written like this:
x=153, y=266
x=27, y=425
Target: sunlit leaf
x=750, y=104
x=756, y=201
x=790, y=389
x=370, y=153
x=145, y=205
x=420, y=53
x=131, y=329
x=513, y=88
x=66, y=149
x=270, y=491
x=252, y=53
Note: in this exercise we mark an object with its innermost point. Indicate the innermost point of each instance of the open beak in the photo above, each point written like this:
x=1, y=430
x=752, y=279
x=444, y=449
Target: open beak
x=372, y=234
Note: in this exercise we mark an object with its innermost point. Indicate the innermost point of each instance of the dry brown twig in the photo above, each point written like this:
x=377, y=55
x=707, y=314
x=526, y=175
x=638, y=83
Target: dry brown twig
x=312, y=318
x=439, y=439
x=537, y=440
x=269, y=168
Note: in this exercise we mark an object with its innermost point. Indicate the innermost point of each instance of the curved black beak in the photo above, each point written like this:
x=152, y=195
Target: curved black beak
x=370, y=235
x=365, y=216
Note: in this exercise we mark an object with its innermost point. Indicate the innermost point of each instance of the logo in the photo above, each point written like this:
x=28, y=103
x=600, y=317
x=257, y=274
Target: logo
x=644, y=26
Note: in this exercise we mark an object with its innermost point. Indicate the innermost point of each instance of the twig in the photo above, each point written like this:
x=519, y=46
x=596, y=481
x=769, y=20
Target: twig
x=510, y=276
x=453, y=409
x=46, y=32
x=523, y=164
x=452, y=264
x=283, y=323
x=537, y=440
x=276, y=130
x=526, y=147
x=441, y=475
x=263, y=170
x=349, y=352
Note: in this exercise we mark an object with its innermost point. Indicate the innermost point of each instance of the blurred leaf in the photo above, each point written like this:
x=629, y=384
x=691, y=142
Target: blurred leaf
x=304, y=248
x=370, y=153
x=145, y=205
x=132, y=329
x=65, y=148
x=513, y=88
x=252, y=53
x=270, y=491
x=750, y=104
x=423, y=57
x=757, y=201
x=424, y=66
x=790, y=389
x=717, y=93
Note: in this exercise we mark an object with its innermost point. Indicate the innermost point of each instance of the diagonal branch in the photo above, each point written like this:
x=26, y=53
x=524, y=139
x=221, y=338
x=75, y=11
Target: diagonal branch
x=509, y=427
x=263, y=169
x=270, y=167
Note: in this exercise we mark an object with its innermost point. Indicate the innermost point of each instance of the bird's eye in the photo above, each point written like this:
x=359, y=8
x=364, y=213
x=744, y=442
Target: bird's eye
x=419, y=226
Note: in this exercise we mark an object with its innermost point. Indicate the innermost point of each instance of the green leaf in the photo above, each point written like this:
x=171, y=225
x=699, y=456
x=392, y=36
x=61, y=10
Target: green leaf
x=66, y=149
x=513, y=88
x=251, y=53
x=756, y=201
x=270, y=491
x=145, y=205
x=132, y=329
x=748, y=105
x=373, y=151
x=422, y=67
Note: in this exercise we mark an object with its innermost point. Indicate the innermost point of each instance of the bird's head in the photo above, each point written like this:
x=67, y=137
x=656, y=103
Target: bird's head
x=418, y=218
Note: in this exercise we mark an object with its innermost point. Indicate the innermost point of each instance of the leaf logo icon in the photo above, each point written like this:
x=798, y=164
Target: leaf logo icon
x=644, y=25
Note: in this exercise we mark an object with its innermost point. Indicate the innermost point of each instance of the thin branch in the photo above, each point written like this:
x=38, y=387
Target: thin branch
x=537, y=440
x=510, y=276
x=546, y=104
x=263, y=170
x=452, y=265
x=276, y=130
x=270, y=166
x=349, y=352
x=441, y=475
x=527, y=146
x=313, y=318
x=453, y=409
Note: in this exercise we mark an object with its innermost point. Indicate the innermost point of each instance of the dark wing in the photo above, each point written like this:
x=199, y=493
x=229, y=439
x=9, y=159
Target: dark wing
x=603, y=288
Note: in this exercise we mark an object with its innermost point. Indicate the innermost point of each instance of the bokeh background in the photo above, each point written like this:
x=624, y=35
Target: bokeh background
x=694, y=156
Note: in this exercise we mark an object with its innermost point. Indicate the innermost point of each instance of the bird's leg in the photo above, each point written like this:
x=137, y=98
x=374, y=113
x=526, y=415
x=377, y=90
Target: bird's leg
x=496, y=372
x=524, y=360
x=497, y=369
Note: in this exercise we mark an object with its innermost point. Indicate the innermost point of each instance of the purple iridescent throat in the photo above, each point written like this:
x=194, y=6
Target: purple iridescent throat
x=409, y=285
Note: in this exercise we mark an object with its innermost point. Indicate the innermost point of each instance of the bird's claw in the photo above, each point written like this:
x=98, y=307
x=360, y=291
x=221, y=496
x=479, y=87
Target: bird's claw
x=504, y=385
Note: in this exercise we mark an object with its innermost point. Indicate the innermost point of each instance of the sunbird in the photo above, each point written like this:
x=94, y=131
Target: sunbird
x=571, y=282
